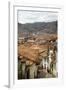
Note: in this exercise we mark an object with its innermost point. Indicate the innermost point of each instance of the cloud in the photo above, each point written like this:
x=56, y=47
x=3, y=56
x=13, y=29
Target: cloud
x=31, y=17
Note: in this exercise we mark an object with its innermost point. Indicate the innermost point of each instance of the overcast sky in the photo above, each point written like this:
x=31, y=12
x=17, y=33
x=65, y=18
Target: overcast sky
x=31, y=17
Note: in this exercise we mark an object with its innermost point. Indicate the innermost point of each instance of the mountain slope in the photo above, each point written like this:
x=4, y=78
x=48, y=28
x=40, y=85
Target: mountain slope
x=41, y=27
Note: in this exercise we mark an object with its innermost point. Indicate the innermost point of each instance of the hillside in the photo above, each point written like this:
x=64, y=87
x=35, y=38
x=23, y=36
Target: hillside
x=38, y=27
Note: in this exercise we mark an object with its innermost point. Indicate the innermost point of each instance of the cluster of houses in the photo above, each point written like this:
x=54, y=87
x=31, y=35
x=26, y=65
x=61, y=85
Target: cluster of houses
x=37, y=57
